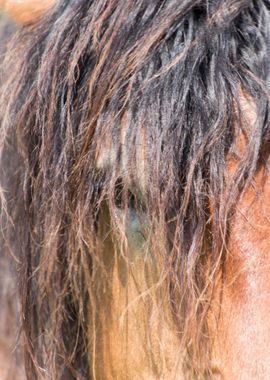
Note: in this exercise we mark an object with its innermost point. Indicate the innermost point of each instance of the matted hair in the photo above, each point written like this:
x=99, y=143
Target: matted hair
x=159, y=83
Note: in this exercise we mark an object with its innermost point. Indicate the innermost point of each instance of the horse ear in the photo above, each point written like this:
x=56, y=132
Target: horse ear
x=25, y=11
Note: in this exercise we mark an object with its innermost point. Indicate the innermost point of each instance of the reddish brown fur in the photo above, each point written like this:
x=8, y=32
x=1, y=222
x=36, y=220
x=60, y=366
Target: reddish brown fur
x=27, y=10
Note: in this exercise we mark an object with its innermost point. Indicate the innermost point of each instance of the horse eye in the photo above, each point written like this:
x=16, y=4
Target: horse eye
x=126, y=199
x=132, y=206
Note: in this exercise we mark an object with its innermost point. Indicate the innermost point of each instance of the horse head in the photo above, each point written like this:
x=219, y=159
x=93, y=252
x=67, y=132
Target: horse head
x=140, y=202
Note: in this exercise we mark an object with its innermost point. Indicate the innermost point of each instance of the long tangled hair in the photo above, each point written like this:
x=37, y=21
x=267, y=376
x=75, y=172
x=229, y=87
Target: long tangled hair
x=128, y=106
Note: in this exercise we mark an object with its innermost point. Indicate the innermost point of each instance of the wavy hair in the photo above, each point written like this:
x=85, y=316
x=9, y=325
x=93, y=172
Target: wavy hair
x=132, y=106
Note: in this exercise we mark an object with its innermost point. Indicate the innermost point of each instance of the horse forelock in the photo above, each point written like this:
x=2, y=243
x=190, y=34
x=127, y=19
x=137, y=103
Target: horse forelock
x=132, y=110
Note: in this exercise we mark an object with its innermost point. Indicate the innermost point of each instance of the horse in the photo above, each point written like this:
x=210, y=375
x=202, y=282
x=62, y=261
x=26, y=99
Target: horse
x=25, y=11
x=135, y=156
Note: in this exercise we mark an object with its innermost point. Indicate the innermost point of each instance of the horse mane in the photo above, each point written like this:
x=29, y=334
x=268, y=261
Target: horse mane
x=159, y=84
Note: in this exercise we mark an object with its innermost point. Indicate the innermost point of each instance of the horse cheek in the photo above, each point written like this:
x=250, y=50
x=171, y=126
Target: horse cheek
x=244, y=329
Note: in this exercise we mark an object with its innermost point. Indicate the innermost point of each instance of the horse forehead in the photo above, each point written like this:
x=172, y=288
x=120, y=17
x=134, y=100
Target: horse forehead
x=108, y=152
x=245, y=308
